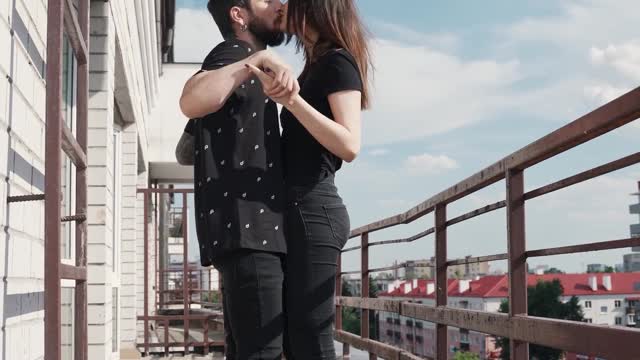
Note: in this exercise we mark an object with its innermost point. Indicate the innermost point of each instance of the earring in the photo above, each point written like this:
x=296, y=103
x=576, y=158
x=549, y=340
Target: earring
x=244, y=27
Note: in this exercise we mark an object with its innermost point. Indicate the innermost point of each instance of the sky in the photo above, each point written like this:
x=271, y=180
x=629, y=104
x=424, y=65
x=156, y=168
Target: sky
x=458, y=85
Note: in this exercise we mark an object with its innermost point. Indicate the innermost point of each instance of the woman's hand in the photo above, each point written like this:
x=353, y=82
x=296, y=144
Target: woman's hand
x=277, y=79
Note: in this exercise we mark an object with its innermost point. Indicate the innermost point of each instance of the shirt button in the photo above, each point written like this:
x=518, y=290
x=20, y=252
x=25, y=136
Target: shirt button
x=295, y=203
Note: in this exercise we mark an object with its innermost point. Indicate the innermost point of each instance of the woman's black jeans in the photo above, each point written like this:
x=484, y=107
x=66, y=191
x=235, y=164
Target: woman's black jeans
x=317, y=225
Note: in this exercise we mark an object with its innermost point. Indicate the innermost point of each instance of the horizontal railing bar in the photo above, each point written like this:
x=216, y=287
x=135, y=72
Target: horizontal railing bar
x=392, y=267
x=177, y=317
x=561, y=334
x=78, y=218
x=73, y=31
x=387, y=305
x=478, y=259
x=164, y=191
x=72, y=148
x=405, y=240
x=25, y=198
x=477, y=212
x=73, y=272
x=217, y=343
x=353, y=248
x=616, y=113
x=598, y=246
x=377, y=348
x=350, y=272
x=583, y=176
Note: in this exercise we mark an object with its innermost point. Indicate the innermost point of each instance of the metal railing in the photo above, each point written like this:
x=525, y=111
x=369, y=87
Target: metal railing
x=520, y=328
x=184, y=292
x=62, y=19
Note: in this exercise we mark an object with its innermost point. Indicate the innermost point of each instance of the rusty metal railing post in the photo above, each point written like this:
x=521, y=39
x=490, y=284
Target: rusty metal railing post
x=517, y=255
x=364, y=289
x=82, y=114
x=338, y=325
x=185, y=273
x=53, y=162
x=339, y=293
x=147, y=197
x=206, y=336
x=156, y=244
x=442, y=347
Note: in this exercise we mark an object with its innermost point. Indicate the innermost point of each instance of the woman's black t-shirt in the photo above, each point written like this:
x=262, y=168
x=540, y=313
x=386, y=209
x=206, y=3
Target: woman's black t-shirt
x=305, y=159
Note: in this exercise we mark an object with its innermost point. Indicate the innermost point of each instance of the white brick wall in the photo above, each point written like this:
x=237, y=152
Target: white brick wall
x=128, y=242
x=100, y=180
x=22, y=245
x=22, y=108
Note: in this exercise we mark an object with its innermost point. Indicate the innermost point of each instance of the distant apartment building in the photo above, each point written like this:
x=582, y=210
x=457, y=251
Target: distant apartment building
x=425, y=269
x=608, y=299
x=631, y=262
x=596, y=268
x=635, y=209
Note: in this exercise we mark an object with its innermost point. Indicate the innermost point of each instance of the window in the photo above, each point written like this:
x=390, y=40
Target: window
x=389, y=333
x=587, y=320
x=618, y=303
x=69, y=70
x=389, y=320
x=410, y=337
x=397, y=335
x=587, y=304
x=396, y=321
x=419, y=339
x=604, y=309
x=464, y=336
x=409, y=323
x=419, y=324
x=618, y=321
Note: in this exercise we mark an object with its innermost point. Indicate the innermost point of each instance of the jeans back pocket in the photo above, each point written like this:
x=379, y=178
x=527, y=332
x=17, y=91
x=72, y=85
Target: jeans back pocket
x=339, y=221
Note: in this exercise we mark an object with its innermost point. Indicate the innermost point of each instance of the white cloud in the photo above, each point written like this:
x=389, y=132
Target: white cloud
x=624, y=58
x=602, y=94
x=581, y=23
x=379, y=152
x=442, y=41
x=427, y=164
x=420, y=92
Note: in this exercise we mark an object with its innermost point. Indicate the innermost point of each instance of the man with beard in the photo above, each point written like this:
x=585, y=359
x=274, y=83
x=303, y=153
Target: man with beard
x=238, y=183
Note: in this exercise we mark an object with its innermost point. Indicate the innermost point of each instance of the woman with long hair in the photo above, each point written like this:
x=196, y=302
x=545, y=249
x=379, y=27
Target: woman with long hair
x=321, y=129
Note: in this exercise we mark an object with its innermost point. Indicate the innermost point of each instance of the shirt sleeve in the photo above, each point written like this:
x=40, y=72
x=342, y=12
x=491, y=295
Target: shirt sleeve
x=341, y=73
x=191, y=127
x=224, y=54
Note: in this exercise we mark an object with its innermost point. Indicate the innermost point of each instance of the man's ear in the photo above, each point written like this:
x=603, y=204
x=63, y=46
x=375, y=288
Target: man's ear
x=238, y=16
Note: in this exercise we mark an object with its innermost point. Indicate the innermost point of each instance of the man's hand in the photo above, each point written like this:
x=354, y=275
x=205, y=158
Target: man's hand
x=283, y=83
x=275, y=89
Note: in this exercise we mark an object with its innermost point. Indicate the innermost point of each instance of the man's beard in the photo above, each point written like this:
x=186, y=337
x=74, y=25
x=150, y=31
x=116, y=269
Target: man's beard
x=262, y=33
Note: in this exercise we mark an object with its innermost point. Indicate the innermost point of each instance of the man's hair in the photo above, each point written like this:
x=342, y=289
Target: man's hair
x=219, y=10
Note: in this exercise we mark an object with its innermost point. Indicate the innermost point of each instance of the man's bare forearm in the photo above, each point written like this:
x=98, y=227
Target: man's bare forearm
x=185, y=149
x=207, y=92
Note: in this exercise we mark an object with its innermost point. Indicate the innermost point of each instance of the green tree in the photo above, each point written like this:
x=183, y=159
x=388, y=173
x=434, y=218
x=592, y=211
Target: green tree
x=553, y=271
x=609, y=269
x=544, y=301
x=351, y=316
x=461, y=355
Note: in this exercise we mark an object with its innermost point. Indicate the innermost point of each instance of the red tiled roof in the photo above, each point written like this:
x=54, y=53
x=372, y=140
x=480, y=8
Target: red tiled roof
x=497, y=285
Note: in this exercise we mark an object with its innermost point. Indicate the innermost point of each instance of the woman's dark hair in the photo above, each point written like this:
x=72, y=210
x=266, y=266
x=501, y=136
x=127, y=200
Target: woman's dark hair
x=338, y=25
